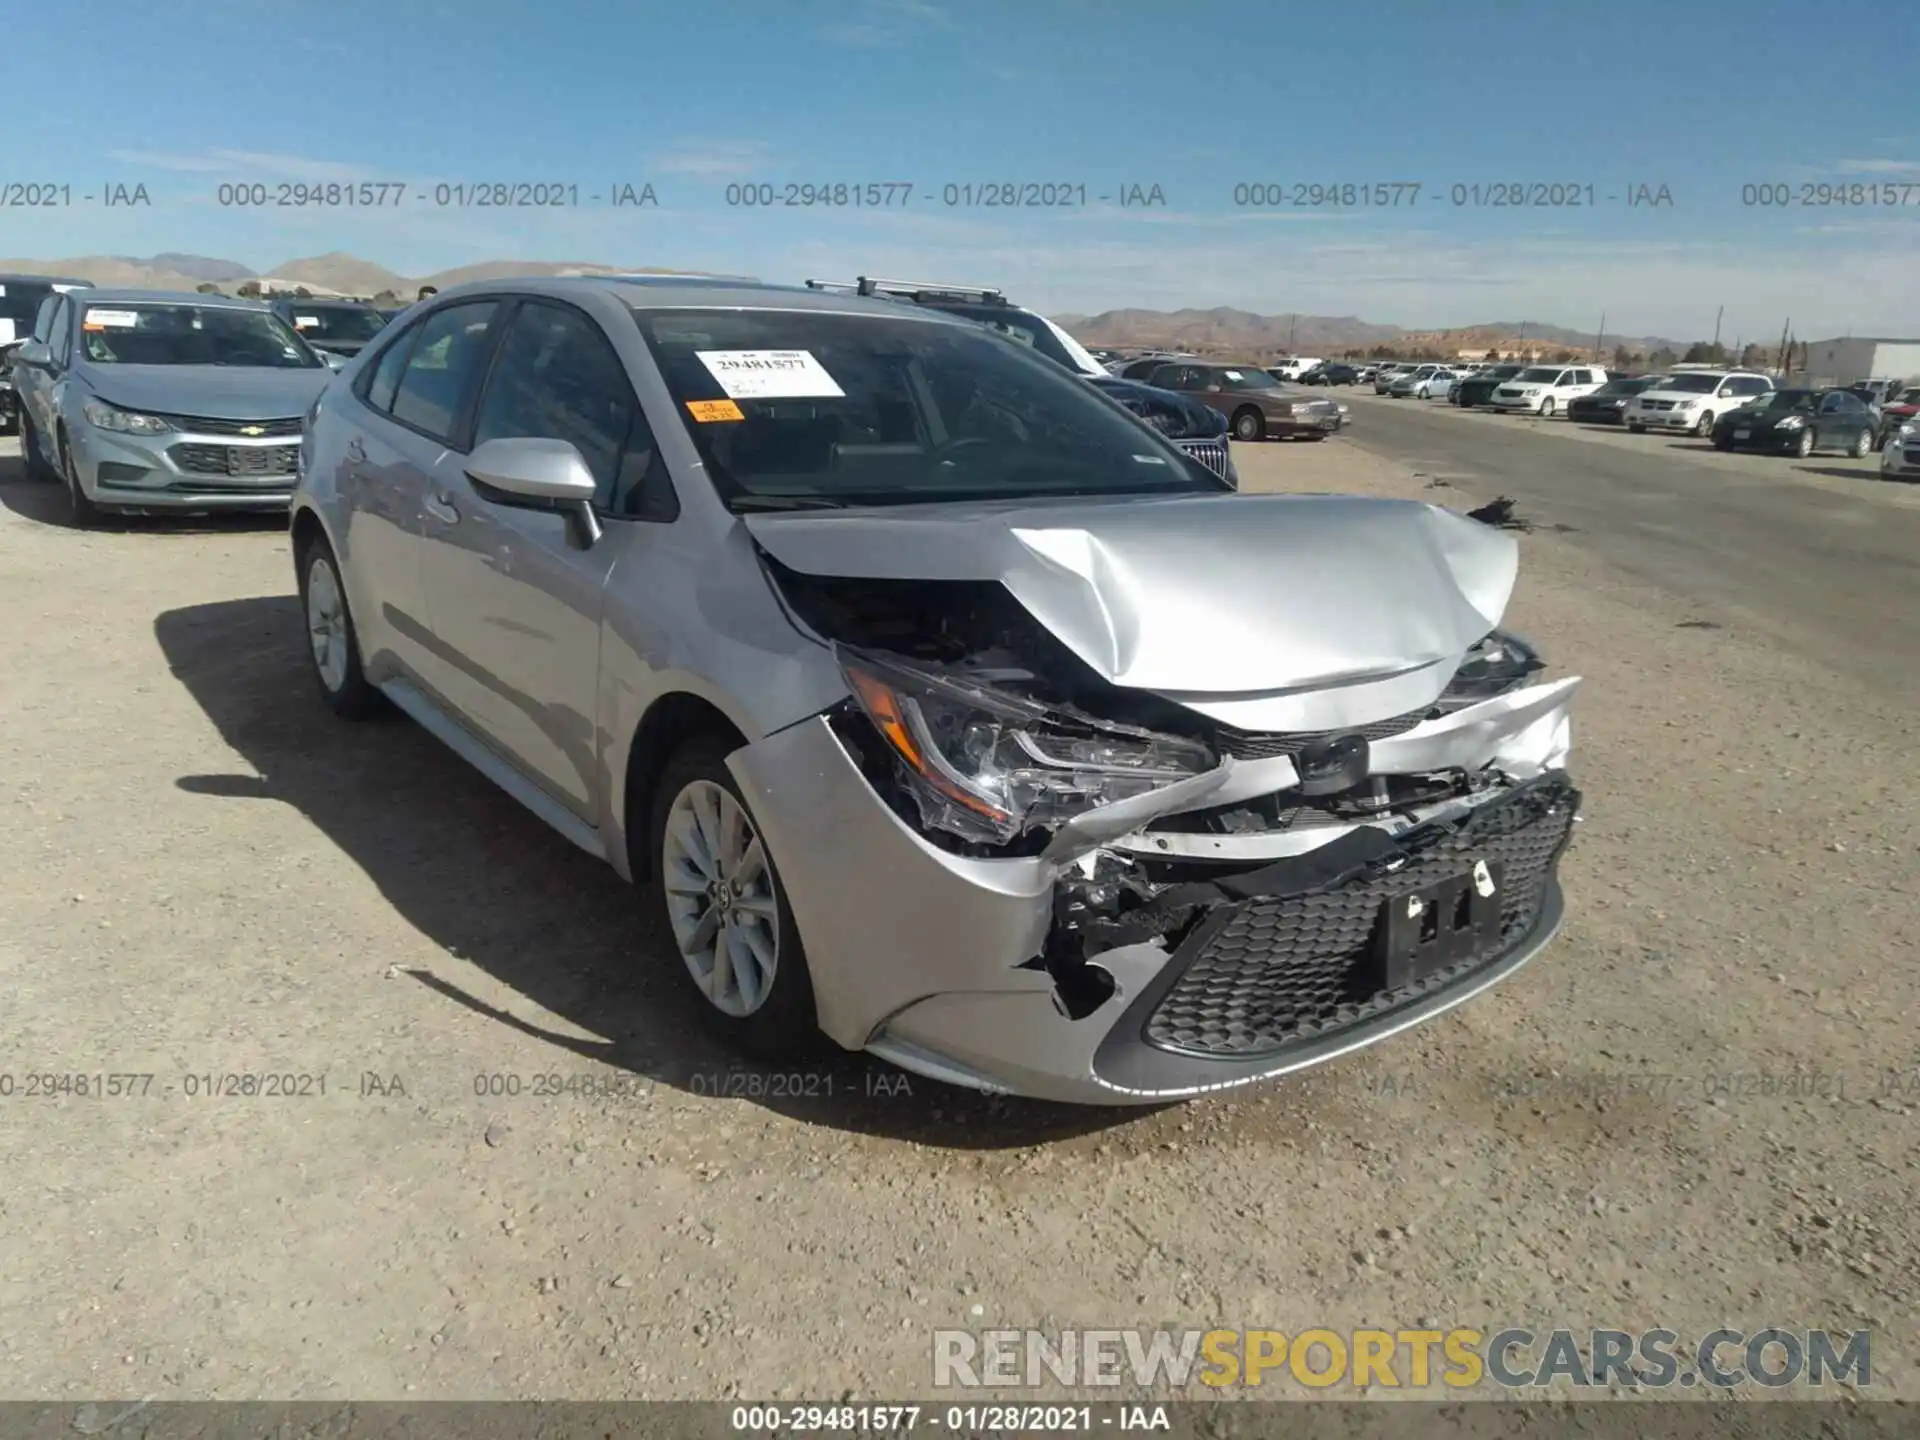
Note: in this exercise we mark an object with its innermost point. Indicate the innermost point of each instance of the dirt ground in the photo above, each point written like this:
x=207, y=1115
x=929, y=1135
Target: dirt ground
x=202, y=874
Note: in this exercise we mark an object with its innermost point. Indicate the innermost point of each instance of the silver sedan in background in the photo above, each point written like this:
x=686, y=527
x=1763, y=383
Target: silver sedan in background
x=943, y=707
x=151, y=401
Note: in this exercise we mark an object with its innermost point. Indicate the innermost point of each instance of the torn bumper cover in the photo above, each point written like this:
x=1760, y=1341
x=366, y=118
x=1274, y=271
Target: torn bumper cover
x=1234, y=958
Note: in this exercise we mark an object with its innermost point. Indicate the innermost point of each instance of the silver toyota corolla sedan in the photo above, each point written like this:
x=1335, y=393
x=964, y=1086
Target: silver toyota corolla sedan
x=143, y=401
x=942, y=706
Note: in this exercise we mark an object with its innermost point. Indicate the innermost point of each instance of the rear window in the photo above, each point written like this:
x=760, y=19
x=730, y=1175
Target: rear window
x=801, y=407
x=337, y=322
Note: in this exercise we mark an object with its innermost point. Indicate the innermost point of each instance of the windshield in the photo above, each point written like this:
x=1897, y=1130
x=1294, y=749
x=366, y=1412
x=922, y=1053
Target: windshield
x=1248, y=379
x=1692, y=384
x=1540, y=375
x=337, y=322
x=1019, y=326
x=798, y=407
x=121, y=333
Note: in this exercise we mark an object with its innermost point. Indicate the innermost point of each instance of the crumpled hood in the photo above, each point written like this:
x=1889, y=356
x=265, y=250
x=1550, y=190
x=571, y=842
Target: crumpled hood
x=218, y=392
x=1247, y=596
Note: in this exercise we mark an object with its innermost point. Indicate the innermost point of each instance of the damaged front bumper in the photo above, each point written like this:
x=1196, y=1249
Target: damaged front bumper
x=1258, y=955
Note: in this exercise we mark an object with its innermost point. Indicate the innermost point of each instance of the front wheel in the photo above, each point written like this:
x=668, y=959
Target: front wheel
x=1862, y=445
x=1633, y=429
x=81, y=510
x=1249, y=425
x=726, y=910
x=1803, y=445
x=32, y=456
x=1548, y=407
x=1704, y=425
x=332, y=642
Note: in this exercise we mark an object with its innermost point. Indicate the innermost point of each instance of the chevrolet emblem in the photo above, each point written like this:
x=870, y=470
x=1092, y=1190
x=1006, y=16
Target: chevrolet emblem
x=253, y=429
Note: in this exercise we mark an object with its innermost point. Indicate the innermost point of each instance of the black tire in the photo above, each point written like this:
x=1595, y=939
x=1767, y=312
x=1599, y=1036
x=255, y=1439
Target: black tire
x=1803, y=443
x=1249, y=425
x=785, y=1026
x=1634, y=429
x=1704, y=425
x=1722, y=442
x=82, y=512
x=351, y=698
x=1862, y=445
x=1549, y=407
x=30, y=455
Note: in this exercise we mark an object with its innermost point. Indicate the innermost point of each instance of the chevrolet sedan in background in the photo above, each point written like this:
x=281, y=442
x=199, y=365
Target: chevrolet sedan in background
x=1799, y=422
x=1608, y=404
x=759, y=594
x=144, y=401
x=1256, y=405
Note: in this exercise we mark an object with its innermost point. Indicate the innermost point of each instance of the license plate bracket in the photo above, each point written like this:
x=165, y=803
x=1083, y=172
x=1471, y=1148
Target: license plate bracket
x=1743, y=434
x=1421, y=932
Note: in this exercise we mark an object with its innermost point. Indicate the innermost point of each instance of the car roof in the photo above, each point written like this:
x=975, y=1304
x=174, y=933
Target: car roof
x=673, y=292
x=13, y=277
x=172, y=297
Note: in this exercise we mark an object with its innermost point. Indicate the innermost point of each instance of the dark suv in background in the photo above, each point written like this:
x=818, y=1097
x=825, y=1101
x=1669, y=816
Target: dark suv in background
x=1608, y=404
x=1331, y=374
x=1478, y=389
x=21, y=297
x=1193, y=426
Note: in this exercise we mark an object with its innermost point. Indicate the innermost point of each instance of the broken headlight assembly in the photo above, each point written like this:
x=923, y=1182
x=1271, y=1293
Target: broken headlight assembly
x=990, y=765
x=1499, y=663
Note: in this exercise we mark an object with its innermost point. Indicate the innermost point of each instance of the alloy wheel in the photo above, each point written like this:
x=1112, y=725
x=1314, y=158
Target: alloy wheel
x=327, y=624
x=720, y=898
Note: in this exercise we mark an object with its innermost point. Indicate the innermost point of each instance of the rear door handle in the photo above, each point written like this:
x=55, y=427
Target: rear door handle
x=356, y=451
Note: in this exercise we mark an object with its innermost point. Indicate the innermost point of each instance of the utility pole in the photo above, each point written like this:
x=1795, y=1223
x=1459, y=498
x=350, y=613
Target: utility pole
x=1600, y=340
x=1785, y=330
x=1293, y=322
x=1716, y=326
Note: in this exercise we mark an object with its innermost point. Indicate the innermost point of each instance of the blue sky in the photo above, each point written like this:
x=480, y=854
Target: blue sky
x=185, y=96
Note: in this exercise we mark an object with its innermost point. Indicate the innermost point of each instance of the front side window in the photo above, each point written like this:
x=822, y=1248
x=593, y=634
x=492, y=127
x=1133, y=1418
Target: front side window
x=149, y=333
x=63, y=331
x=443, y=363
x=558, y=378
x=808, y=407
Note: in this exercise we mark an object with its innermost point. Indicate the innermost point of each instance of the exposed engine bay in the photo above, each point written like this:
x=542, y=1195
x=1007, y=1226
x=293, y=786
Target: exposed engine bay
x=990, y=737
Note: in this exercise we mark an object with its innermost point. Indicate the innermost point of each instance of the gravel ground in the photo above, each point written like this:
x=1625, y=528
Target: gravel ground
x=204, y=875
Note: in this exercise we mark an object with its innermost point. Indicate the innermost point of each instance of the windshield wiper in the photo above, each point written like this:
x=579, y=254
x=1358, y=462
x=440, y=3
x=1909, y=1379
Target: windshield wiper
x=783, y=502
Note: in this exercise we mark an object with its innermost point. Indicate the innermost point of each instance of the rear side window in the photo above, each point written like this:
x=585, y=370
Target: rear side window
x=441, y=368
x=384, y=379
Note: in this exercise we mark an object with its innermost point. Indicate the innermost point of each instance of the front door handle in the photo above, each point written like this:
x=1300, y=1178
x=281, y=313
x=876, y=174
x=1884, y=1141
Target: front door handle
x=440, y=505
x=356, y=451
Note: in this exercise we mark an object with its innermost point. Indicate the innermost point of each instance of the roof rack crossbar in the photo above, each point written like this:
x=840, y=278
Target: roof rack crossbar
x=873, y=285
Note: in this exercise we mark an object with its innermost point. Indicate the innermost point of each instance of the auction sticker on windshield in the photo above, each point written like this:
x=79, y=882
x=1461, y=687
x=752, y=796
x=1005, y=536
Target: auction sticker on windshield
x=302, y=322
x=770, y=375
x=114, y=319
x=707, y=411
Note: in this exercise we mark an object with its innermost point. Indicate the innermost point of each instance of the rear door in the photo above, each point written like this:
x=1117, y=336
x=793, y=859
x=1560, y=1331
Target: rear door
x=413, y=399
x=516, y=600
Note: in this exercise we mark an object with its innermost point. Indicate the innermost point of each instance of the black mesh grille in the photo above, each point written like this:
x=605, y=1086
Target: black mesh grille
x=1246, y=745
x=252, y=429
x=1268, y=974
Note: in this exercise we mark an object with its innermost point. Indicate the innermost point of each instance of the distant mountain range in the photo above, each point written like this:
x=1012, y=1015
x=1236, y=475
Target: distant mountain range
x=336, y=273
x=1226, y=330
x=1223, y=330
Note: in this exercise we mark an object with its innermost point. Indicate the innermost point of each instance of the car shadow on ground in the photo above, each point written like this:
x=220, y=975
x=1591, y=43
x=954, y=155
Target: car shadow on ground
x=1864, y=470
x=487, y=882
x=45, y=503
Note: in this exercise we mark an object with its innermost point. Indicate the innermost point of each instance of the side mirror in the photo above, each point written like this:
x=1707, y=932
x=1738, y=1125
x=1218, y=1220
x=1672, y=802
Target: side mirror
x=537, y=475
x=335, y=360
x=35, y=353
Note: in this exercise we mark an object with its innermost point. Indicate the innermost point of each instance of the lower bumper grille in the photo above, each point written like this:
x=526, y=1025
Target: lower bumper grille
x=1268, y=975
x=237, y=459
